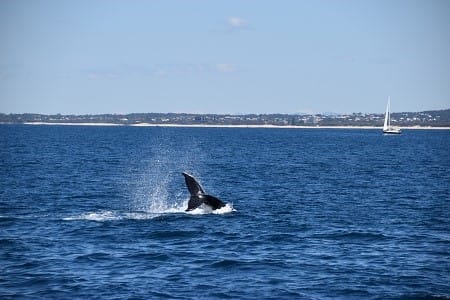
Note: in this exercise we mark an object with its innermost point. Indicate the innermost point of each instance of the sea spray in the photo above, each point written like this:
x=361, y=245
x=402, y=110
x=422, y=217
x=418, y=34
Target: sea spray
x=159, y=186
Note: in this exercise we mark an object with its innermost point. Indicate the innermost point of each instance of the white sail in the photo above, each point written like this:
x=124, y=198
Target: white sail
x=387, y=128
x=387, y=116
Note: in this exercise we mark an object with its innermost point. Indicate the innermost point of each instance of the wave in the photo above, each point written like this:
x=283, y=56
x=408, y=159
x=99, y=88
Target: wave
x=352, y=235
x=5, y=219
x=251, y=264
x=424, y=296
x=149, y=256
x=96, y=256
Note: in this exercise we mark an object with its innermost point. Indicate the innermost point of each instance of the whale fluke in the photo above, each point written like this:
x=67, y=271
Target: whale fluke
x=198, y=195
x=193, y=186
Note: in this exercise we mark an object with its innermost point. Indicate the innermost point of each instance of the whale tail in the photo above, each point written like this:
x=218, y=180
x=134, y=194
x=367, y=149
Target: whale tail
x=193, y=186
x=198, y=195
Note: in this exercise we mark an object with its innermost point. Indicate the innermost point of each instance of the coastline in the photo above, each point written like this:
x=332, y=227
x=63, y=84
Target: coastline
x=233, y=126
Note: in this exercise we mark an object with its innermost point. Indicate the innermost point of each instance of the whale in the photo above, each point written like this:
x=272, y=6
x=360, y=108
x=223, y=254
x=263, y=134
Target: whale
x=198, y=195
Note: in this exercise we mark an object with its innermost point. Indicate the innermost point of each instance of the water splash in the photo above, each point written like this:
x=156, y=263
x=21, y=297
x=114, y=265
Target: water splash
x=204, y=209
x=106, y=215
x=159, y=188
x=156, y=186
x=152, y=193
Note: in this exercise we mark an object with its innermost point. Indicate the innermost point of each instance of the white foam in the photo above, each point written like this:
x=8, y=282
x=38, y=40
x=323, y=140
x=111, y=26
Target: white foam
x=139, y=216
x=94, y=216
x=204, y=209
x=201, y=210
x=228, y=208
x=102, y=216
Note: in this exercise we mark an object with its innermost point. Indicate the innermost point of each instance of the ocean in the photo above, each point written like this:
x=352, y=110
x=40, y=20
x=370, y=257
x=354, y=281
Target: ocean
x=96, y=212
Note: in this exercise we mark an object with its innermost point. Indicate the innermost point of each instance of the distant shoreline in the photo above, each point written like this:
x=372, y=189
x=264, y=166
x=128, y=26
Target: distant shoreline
x=426, y=119
x=231, y=126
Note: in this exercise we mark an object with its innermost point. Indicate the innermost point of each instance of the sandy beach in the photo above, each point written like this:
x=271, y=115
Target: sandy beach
x=234, y=126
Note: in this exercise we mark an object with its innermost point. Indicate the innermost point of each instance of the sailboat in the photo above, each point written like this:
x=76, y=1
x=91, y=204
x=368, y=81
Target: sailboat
x=387, y=128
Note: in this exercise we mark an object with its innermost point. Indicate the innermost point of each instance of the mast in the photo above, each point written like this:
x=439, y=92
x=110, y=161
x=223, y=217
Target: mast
x=386, y=116
x=389, y=111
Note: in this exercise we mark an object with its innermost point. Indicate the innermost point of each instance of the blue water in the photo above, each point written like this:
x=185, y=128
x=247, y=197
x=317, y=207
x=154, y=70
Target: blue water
x=98, y=213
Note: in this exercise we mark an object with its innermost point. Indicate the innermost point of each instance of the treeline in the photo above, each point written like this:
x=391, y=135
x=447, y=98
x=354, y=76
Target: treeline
x=437, y=118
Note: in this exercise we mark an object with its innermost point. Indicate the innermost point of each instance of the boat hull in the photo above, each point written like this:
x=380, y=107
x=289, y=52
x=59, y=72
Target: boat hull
x=392, y=131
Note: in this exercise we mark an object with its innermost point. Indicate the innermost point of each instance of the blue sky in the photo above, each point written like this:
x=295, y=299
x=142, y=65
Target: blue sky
x=78, y=57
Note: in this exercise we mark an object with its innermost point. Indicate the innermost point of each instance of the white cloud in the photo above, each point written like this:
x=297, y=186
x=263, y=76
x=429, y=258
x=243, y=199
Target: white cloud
x=226, y=68
x=236, y=22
